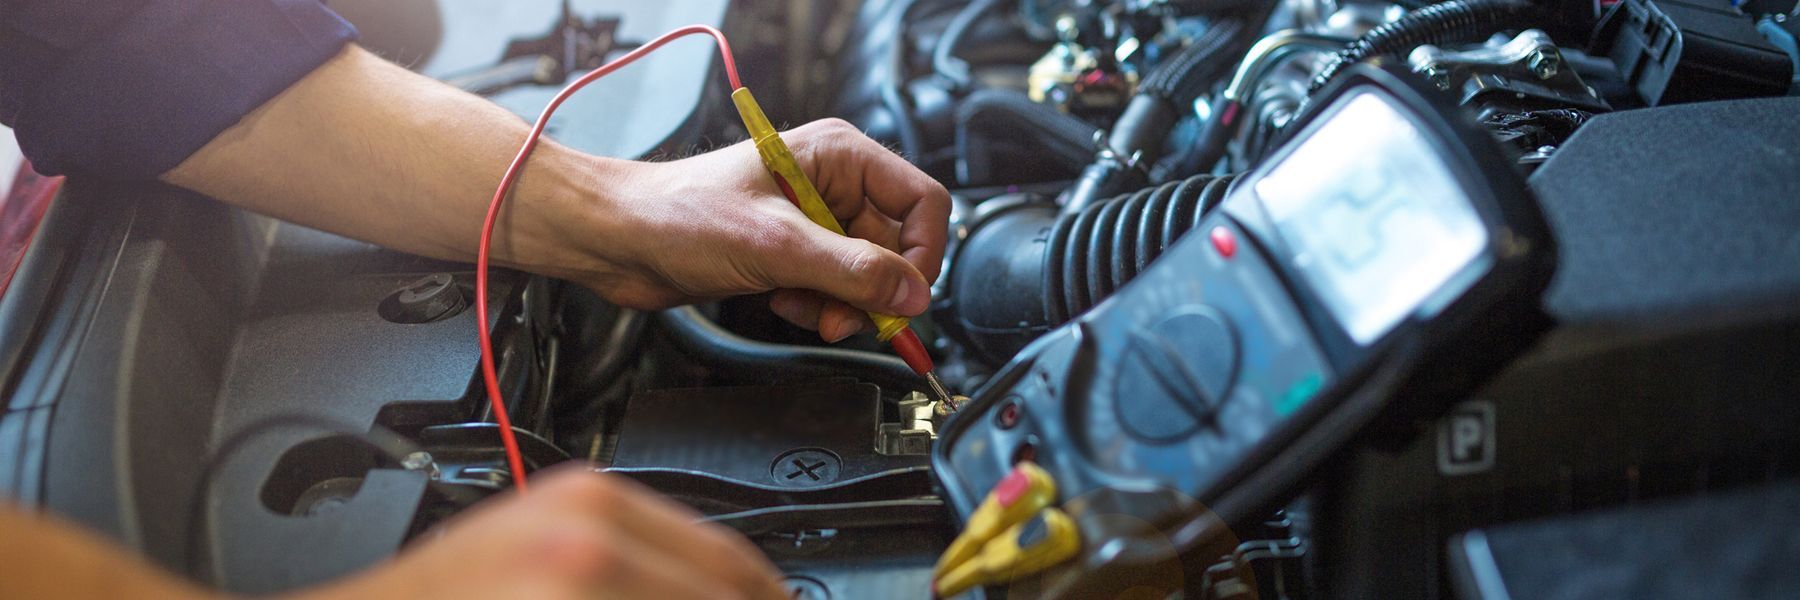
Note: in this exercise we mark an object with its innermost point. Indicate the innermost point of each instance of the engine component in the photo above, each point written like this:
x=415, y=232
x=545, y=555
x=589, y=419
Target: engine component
x=1077, y=79
x=1027, y=268
x=892, y=42
x=1452, y=21
x=572, y=45
x=796, y=468
x=1686, y=50
x=1227, y=115
x=1527, y=72
x=867, y=88
x=762, y=362
x=431, y=298
x=1192, y=71
x=920, y=418
x=1137, y=137
x=943, y=57
x=1095, y=251
x=1734, y=545
x=803, y=435
x=993, y=297
x=1535, y=132
x=994, y=125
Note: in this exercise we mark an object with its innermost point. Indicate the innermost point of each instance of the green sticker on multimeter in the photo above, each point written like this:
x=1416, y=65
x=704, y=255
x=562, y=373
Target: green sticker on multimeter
x=1297, y=394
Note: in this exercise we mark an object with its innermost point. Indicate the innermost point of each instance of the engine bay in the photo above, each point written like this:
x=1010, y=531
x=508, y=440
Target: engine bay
x=1561, y=320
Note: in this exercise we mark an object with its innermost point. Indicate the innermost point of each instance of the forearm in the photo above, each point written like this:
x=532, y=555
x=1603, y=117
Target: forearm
x=363, y=148
x=45, y=558
x=366, y=149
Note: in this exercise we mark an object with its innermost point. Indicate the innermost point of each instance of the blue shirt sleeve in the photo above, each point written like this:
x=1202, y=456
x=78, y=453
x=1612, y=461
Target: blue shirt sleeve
x=127, y=89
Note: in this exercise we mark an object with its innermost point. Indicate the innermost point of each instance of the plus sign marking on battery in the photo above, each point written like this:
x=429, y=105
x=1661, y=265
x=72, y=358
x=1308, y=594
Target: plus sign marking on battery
x=802, y=468
x=805, y=467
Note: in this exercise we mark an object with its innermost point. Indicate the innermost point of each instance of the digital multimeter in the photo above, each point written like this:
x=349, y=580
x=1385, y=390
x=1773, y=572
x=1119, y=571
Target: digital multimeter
x=1386, y=258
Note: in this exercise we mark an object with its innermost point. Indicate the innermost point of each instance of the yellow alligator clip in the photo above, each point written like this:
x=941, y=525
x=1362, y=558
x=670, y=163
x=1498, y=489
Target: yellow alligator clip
x=1020, y=495
x=1047, y=538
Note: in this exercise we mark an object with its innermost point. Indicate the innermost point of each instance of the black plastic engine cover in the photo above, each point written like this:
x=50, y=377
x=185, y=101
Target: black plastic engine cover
x=841, y=519
x=788, y=436
x=1672, y=372
x=1735, y=545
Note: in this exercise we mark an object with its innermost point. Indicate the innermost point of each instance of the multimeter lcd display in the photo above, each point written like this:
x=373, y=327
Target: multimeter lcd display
x=1375, y=220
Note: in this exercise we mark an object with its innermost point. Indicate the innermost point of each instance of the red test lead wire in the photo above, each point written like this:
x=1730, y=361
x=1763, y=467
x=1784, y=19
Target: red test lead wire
x=515, y=461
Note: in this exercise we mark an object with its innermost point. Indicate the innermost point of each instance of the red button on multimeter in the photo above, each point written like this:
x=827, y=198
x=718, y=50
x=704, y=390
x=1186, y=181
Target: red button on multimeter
x=1223, y=241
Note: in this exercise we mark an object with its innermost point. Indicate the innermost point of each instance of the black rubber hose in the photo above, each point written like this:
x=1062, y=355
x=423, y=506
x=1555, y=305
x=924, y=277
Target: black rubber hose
x=911, y=142
x=1110, y=242
x=992, y=114
x=1183, y=77
x=1188, y=7
x=762, y=362
x=1443, y=23
x=943, y=56
x=1175, y=84
x=1027, y=269
x=599, y=368
x=1161, y=100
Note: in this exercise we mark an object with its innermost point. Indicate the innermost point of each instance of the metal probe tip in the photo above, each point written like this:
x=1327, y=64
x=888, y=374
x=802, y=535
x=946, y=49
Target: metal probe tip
x=937, y=386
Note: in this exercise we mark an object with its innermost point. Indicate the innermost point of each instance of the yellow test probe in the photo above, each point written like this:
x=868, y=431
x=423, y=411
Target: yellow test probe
x=793, y=182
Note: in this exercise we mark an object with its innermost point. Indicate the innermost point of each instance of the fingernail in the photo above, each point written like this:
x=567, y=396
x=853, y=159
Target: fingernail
x=911, y=297
x=849, y=330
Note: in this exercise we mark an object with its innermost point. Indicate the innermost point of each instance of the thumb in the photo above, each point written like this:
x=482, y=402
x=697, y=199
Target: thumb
x=853, y=270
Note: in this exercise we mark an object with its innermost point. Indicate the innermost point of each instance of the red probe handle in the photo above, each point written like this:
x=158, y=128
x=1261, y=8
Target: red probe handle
x=907, y=345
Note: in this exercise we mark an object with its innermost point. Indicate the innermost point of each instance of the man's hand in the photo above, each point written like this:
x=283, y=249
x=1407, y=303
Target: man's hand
x=369, y=150
x=578, y=534
x=716, y=225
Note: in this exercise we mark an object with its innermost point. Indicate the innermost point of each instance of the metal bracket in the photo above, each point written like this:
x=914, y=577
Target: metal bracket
x=1529, y=65
x=920, y=417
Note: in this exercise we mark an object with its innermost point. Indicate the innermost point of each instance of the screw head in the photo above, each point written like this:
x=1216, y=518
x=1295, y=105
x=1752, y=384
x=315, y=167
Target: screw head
x=417, y=460
x=425, y=288
x=1544, y=64
x=326, y=506
x=431, y=298
x=420, y=461
x=1436, y=75
x=806, y=588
